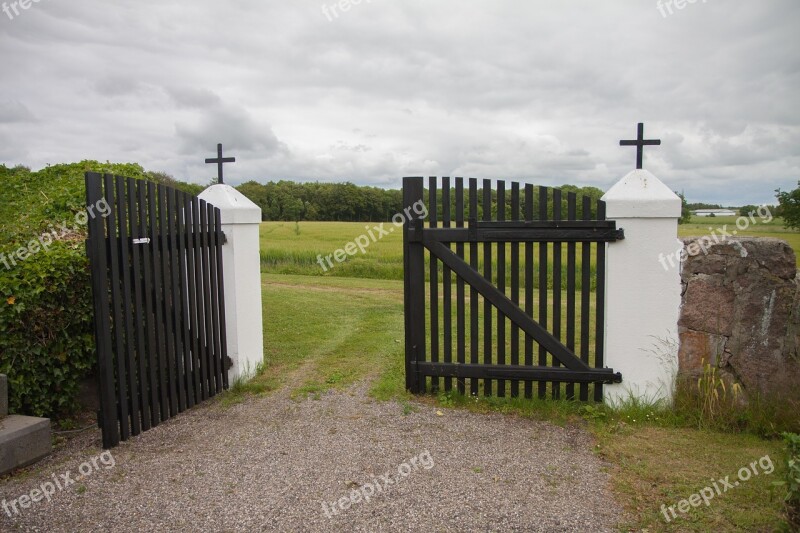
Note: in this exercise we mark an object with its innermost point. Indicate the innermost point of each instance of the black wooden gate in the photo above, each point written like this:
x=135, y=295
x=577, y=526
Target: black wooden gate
x=529, y=308
x=156, y=263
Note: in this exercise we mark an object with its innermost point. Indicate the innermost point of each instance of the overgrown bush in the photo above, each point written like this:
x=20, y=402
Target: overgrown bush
x=46, y=323
x=46, y=342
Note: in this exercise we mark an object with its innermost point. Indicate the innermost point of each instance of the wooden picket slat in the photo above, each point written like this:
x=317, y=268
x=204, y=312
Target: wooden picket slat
x=515, y=286
x=129, y=340
x=571, y=215
x=207, y=336
x=97, y=250
x=542, y=316
x=434, y=281
x=138, y=309
x=473, y=294
x=501, y=287
x=414, y=288
x=460, y=294
x=199, y=323
x=529, y=269
x=174, y=311
x=487, y=273
x=184, y=268
x=586, y=258
x=214, y=292
x=600, y=305
x=447, y=295
x=555, y=391
x=223, y=335
x=161, y=264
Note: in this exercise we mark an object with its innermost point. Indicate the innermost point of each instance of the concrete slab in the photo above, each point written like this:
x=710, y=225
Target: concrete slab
x=23, y=440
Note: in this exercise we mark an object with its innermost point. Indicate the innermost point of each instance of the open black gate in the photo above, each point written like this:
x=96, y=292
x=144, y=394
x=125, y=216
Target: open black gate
x=156, y=264
x=536, y=320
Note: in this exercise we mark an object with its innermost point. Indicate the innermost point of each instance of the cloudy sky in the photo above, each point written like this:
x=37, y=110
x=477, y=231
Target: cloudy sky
x=372, y=91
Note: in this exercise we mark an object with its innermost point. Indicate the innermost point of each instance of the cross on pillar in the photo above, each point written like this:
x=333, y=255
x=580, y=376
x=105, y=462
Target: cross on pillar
x=219, y=160
x=640, y=143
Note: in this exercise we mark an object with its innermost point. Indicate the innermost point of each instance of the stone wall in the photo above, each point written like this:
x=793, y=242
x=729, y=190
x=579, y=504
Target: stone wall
x=741, y=310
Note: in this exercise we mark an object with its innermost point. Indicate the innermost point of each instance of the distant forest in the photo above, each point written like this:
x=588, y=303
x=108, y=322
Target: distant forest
x=347, y=202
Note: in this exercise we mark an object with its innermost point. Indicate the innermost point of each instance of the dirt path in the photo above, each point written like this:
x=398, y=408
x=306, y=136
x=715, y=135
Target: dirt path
x=270, y=463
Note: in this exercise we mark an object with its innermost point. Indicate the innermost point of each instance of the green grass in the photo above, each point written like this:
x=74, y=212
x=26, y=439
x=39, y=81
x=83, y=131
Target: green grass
x=298, y=248
x=295, y=248
x=323, y=333
x=700, y=226
x=655, y=466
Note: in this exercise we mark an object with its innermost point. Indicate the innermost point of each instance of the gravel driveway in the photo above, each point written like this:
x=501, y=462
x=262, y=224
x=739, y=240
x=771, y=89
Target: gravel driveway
x=273, y=463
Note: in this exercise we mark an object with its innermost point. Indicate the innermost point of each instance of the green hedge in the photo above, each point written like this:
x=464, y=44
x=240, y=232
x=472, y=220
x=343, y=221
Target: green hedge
x=46, y=323
x=46, y=341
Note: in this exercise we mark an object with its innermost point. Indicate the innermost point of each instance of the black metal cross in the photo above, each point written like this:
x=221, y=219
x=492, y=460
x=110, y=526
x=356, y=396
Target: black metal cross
x=640, y=143
x=219, y=160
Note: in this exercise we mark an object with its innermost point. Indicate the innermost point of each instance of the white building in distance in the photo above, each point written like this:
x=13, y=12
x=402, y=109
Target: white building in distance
x=714, y=212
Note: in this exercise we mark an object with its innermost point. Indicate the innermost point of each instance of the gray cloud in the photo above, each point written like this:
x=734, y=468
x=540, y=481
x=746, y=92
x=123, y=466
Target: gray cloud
x=233, y=125
x=535, y=90
x=190, y=97
x=14, y=111
x=117, y=86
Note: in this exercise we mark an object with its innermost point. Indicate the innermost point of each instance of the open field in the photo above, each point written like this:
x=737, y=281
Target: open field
x=298, y=248
x=294, y=248
x=699, y=226
x=331, y=330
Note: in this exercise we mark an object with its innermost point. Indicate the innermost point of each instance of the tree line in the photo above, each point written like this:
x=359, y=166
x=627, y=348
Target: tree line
x=346, y=202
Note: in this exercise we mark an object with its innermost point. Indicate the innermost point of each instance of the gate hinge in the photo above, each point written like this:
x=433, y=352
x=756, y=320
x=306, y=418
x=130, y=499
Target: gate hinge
x=222, y=238
x=228, y=362
x=619, y=234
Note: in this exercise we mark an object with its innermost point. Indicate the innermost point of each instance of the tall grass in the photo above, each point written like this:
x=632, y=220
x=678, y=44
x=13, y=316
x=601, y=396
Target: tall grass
x=299, y=248
x=708, y=403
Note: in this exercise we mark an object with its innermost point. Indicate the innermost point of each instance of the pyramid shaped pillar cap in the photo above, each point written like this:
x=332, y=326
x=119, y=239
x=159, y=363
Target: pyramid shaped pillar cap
x=641, y=195
x=235, y=208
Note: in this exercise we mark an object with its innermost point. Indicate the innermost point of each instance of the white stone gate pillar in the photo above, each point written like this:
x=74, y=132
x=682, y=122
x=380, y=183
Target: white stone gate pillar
x=241, y=265
x=643, y=290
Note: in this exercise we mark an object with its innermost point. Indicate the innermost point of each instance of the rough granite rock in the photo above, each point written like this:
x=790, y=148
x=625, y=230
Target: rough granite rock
x=741, y=310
